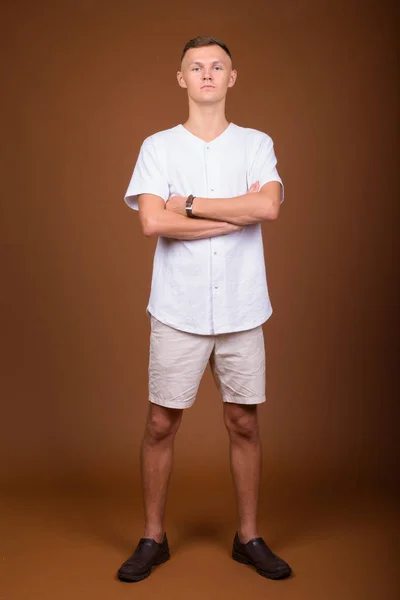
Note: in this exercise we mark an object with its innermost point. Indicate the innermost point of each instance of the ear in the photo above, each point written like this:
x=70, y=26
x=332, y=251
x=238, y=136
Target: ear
x=232, y=78
x=180, y=79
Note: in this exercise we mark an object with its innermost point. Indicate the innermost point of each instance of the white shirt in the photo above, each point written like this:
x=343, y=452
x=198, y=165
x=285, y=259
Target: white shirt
x=214, y=285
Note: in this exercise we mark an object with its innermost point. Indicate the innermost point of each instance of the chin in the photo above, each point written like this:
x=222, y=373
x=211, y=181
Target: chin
x=206, y=98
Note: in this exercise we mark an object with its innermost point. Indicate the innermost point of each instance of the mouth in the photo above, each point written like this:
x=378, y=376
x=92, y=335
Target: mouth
x=207, y=87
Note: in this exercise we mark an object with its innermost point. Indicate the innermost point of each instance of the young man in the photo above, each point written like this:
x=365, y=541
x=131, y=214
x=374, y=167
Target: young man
x=203, y=188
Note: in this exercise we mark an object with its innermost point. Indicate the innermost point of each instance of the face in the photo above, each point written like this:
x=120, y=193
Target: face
x=207, y=74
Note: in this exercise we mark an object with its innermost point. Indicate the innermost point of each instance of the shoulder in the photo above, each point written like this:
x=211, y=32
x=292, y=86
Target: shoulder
x=252, y=137
x=161, y=138
x=256, y=142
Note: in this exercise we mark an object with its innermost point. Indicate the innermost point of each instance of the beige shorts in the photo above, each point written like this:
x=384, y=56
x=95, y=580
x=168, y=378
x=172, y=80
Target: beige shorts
x=178, y=360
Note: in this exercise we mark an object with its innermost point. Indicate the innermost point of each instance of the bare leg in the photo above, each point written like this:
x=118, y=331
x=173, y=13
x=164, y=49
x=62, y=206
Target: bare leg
x=245, y=457
x=156, y=457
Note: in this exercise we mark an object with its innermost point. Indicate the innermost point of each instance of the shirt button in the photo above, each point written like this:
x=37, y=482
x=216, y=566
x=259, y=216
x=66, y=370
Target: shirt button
x=216, y=287
x=215, y=253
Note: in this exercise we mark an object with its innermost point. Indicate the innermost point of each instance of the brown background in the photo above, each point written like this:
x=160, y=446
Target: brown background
x=84, y=82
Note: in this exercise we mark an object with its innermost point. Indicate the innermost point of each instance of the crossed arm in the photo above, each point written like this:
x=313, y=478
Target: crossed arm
x=217, y=216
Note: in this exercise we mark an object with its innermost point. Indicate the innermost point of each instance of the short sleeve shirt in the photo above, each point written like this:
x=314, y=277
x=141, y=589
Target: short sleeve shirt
x=214, y=285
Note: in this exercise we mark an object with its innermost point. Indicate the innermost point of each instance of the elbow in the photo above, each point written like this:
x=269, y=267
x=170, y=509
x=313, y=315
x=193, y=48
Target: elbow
x=273, y=215
x=270, y=211
x=155, y=225
x=149, y=227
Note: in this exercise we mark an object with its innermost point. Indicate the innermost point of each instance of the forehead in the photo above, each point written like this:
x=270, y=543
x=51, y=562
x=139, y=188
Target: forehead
x=206, y=54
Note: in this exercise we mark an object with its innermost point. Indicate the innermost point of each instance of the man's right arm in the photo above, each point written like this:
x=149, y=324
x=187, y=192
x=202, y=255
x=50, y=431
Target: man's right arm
x=156, y=221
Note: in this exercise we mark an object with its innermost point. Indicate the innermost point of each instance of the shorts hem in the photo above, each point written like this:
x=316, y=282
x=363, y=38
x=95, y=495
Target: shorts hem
x=167, y=404
x=241, y=400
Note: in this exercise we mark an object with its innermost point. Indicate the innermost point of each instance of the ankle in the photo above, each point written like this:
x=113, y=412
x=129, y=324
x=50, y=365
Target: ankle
x=154, y=534
x=245, y=535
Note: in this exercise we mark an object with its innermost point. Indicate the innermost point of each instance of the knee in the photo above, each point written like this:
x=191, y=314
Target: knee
x=242, y=427
x=162, y=423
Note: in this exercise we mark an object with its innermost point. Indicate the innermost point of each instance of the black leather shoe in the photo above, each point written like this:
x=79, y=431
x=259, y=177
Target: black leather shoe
x=148, y=553
x=257, y=553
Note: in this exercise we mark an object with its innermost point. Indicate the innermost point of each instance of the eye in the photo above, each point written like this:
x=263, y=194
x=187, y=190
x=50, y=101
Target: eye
x=217, y=67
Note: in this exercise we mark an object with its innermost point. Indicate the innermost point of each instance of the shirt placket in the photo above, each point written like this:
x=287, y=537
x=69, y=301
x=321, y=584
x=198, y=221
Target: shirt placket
x=217, y=273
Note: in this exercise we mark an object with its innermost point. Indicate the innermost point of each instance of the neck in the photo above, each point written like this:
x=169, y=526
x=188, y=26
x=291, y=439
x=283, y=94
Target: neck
x=206, y=121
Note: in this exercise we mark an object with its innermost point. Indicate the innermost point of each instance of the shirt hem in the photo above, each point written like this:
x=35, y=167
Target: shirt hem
x=234, y=329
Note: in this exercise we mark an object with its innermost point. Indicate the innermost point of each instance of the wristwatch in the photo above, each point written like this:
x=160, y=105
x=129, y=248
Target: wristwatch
x=189, y=206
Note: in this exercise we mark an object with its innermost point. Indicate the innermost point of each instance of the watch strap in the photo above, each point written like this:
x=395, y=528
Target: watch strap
x=189, y=206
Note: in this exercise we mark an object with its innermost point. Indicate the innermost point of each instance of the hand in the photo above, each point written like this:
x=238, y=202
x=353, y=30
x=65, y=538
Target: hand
x=176, y=204
x=255, y=187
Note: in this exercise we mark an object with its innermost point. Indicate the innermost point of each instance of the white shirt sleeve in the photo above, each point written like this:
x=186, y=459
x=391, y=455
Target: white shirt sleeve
x=147, y=177
x=263, y=168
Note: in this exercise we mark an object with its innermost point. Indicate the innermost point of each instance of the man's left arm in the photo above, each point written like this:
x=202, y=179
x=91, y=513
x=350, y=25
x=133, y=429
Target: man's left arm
x=250, y=208
x=253, y=207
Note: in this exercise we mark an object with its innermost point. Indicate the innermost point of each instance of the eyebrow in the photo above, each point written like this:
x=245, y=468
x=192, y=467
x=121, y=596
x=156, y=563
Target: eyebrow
x=197, y=62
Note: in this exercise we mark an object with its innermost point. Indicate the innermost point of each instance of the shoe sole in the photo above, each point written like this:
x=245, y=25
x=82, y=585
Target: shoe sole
x=135, y=578
x=269, y=574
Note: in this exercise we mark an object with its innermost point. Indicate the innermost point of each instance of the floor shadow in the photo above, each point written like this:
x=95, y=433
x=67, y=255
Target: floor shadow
x=187, y=533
